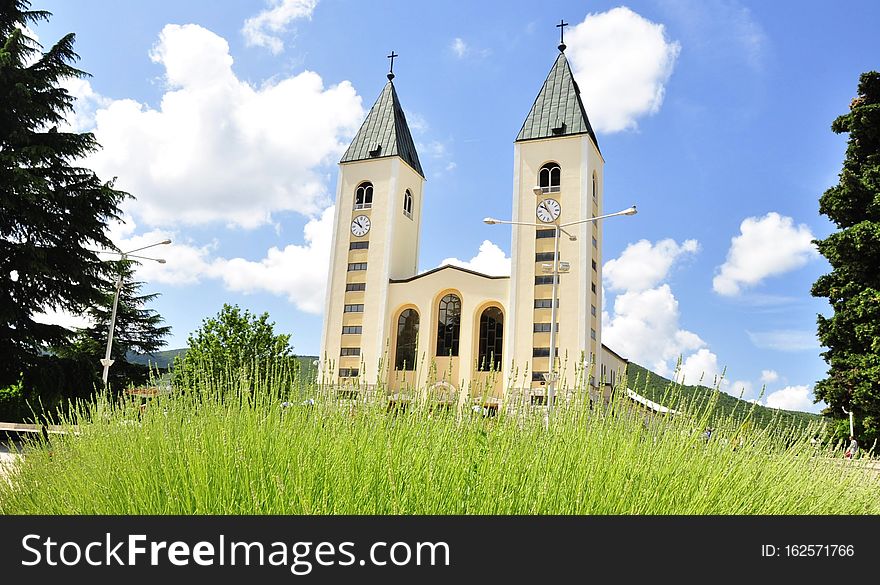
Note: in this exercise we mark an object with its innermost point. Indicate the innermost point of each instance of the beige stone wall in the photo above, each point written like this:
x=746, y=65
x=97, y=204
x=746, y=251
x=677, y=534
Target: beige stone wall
x=612, y=371
x=393, y=253
x=423, y=294
x=578, y=159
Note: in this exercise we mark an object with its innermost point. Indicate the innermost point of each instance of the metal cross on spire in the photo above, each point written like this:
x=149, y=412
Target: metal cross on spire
x=561, y=26
x=391, y=71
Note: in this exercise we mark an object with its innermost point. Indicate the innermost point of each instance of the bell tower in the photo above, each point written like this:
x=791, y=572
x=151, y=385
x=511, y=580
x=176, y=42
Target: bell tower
x=379, y=196
x=558, y=174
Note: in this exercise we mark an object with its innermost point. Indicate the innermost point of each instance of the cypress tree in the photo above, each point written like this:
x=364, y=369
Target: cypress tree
x=852, y=333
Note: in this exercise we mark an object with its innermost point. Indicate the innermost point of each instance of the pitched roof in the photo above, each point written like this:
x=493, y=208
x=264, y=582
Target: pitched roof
x=384, y=133
x=445, y=267
x=558, y=109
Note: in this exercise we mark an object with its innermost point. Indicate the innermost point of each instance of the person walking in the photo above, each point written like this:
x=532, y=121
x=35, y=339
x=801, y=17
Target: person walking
x=853, y=448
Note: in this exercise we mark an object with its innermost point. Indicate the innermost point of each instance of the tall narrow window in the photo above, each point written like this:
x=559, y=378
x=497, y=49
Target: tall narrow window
x=491, y=339
x=595, y=186
x=407, y=340
x=549, y=178
x=448, y=325
x=363, y=196
x=407, y=204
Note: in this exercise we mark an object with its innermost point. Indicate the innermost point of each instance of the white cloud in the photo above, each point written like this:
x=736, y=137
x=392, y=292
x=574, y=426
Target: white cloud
x=263, y=30
x=700, y=368
x=490, y=260
x=218, y=149
x=459, y=47
x=185, y=261
x=82, y=118
x=416, y=122
x=622, y=62
x=766, y=246
x=739, y=388
x=768, y=376
x=297, y=272
x=63, y=318
x=785, y=339
x=644, y=325
x=645, y=328
x=792, y=398
x=644, y=265
x=440, y=152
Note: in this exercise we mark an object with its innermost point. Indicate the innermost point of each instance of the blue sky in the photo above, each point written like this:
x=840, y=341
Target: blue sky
x=226, y=121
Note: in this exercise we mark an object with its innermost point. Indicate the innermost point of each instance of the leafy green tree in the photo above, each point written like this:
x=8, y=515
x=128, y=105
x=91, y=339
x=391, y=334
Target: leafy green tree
x=852, y=333
x=234, y=343
x=53, y=212
x=136, y=329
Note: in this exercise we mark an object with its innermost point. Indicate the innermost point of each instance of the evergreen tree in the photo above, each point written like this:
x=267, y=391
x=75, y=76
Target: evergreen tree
x=136, y=329
x=52, y=212
x=852, y=333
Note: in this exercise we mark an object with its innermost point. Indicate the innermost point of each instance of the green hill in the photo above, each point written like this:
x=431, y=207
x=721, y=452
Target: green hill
x=690, y=398
x=164, y=359
x=159, y=359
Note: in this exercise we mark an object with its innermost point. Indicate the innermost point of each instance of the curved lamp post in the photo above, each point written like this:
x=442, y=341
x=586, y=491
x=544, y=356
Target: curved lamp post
x=852, y=432
x=558, y=227
x=107, y=362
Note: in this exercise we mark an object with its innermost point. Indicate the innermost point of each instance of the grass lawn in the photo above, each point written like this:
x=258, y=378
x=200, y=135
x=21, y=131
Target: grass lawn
x=248, y=453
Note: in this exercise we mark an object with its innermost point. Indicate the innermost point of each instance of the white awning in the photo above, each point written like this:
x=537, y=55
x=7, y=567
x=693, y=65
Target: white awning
x=659, y=408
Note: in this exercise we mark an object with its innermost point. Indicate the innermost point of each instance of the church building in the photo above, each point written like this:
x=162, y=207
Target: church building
x=453, y=330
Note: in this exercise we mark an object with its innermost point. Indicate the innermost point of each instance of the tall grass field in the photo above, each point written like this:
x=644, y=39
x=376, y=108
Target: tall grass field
x=259, y=448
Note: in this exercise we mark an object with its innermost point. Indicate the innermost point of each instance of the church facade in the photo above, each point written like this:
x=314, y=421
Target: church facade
x=452, y=329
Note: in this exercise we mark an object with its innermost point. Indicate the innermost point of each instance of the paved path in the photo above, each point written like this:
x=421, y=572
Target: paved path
x=7, y=459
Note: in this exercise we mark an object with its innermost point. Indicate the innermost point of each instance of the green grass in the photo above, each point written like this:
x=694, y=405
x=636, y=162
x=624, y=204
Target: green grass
x=245, y=453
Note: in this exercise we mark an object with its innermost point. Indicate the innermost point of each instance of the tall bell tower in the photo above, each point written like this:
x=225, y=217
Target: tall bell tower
x=379, y=197
x=558, y=175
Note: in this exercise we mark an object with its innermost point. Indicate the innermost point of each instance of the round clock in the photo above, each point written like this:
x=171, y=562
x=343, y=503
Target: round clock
x=548, y=210
x=360, y=225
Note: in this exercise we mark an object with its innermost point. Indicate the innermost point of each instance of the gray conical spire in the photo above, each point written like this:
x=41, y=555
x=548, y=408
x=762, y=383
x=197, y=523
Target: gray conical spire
x=558, y=109
x=384, y=133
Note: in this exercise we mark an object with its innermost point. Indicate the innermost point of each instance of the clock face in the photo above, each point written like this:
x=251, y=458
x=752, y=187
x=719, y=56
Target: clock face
x=548, y=210
x=360, y=225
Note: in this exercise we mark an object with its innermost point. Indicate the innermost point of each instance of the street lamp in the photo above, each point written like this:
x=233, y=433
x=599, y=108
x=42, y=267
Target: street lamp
x=850, y=413
x=107, y=362
x=558, y=227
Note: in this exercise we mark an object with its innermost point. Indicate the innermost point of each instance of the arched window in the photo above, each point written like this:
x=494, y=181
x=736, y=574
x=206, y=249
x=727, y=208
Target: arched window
x=363, y=196
x=407, y=204
x=448, y=325
x=549, y=178
x=407, y=340
x=595, y=186
x=491, y=339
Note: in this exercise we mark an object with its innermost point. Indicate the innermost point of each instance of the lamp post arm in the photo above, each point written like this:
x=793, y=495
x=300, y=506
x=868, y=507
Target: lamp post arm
x=492, y=221
x=630, y=211
x=145, y=247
